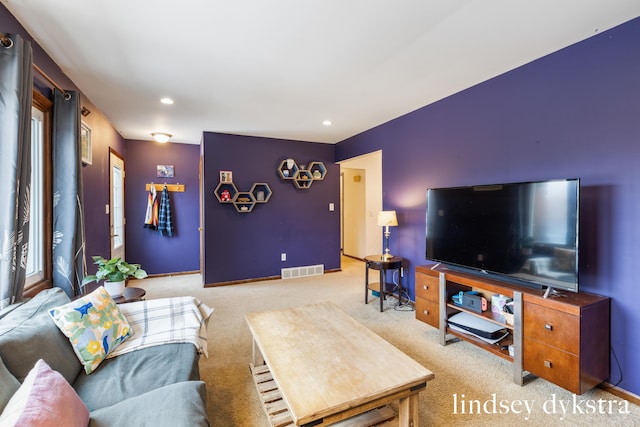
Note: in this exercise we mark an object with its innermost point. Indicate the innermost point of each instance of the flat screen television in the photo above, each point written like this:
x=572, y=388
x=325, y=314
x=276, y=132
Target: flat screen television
x=524, y=233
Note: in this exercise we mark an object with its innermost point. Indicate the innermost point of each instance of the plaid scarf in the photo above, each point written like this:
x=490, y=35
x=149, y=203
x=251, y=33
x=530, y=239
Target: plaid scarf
x=164, y=215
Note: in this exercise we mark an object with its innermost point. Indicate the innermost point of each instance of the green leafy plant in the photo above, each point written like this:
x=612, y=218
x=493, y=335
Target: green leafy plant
x=114, y=270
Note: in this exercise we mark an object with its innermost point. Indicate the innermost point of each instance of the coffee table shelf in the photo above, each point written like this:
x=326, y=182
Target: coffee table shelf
x=279, y=416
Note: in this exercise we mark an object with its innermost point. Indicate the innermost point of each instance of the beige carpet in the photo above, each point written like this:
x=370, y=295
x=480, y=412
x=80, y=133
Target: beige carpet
x=467, y=379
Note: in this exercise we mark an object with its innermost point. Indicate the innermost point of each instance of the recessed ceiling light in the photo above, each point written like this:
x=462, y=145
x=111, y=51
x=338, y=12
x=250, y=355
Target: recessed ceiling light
x=161, y=137
x=327, y=123
x=167, y=100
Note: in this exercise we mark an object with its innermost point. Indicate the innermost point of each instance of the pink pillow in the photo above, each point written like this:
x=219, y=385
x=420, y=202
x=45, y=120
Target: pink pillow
x=45, y=398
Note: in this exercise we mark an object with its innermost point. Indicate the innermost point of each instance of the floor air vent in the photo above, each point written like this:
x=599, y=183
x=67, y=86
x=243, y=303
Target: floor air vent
x=309, y=270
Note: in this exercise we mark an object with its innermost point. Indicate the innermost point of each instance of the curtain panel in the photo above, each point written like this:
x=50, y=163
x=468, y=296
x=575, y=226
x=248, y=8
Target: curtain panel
x=16, y=91
x=69, y=264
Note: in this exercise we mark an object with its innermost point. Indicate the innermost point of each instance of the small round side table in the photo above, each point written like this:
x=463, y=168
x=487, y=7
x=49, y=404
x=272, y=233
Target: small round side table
x=378, y=262
x=130, y=295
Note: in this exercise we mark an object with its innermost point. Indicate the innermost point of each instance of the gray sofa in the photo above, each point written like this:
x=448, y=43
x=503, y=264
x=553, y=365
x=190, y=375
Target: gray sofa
x=155, y=386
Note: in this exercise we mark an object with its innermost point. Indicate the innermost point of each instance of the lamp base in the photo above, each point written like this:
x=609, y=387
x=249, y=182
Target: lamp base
x=386, y=256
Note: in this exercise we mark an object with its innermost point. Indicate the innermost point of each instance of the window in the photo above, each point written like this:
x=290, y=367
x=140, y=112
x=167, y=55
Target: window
x=35, y=264
x=39, y=256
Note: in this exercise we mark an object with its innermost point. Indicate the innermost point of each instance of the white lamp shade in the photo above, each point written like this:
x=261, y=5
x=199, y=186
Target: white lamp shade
x=387, y=218
x=161, y=137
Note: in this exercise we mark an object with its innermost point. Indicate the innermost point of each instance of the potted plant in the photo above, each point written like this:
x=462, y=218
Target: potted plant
x=114, y=272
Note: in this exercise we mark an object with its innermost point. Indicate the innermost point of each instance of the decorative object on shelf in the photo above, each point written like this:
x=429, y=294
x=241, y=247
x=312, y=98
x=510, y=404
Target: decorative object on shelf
x=507, y=313
x=302, y=176
x=243, y=201
x=165, y=171
x=387, y=219
x=114, y=272
x=226, y=176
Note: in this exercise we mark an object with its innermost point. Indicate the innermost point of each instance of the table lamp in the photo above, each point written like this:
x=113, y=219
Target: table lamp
x=387, y=219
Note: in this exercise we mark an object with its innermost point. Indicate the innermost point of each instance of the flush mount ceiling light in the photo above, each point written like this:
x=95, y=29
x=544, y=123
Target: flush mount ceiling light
x=327, y=123
x=161, y=137
x=166, y=100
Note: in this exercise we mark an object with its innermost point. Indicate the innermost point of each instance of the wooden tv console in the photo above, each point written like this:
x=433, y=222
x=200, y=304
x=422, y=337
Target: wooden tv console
x=563, y=338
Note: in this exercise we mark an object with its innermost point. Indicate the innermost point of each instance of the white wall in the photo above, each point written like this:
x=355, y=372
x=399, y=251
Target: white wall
x=361, y=203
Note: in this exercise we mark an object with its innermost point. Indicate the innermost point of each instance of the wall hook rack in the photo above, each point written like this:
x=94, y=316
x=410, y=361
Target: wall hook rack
x=171, y=187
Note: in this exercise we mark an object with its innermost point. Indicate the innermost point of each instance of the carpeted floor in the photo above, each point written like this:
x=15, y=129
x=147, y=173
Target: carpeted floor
x=470, y=387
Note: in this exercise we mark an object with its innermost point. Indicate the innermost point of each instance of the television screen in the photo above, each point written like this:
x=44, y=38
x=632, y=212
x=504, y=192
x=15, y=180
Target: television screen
x=524, y=233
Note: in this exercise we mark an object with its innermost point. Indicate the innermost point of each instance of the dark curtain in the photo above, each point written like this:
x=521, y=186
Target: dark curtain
x=69, y=265
x=16, y=91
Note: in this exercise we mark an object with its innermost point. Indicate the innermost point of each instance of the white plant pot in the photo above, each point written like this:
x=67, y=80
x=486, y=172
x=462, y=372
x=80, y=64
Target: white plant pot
x=115, y=289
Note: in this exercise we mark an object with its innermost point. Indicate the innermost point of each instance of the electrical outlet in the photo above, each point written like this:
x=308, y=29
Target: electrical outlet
x=283, y=257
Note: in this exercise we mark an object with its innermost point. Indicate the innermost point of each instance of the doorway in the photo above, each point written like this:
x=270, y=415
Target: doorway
x=361, y=201
x=116, y=203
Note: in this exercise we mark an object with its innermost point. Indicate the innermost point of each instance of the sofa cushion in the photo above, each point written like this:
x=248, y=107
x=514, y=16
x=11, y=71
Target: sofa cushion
x=9, y=385
x=45, y=399
x=94, y=325
x=138, y=372
x=176, y=405
x=28, y=334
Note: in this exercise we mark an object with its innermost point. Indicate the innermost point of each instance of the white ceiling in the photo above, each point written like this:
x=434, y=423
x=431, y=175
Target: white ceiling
x=278, y=68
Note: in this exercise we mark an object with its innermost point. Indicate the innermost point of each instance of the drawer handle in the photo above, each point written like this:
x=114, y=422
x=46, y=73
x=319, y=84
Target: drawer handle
x=425, y=287
x=548, y=364
x=426, y=312
x=548, y=327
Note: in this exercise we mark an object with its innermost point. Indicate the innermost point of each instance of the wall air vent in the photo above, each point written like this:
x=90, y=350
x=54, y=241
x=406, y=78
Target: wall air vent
x=295, y=272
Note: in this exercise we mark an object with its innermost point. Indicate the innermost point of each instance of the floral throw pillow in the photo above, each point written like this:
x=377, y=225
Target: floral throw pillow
x=94, y=326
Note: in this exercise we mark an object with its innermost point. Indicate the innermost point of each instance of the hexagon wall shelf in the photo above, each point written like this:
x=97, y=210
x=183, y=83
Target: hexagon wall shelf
x=243, y=201
x=301, y=176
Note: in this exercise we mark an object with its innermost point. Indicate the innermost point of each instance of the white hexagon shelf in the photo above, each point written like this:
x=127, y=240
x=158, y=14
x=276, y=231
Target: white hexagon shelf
x=225, y=192
x=244, y=202
x=287, y=169
x=318, y=171
x=302, y=178
x=261, y=192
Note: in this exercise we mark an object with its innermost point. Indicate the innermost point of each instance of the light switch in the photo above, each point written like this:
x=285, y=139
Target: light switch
x=331, y=207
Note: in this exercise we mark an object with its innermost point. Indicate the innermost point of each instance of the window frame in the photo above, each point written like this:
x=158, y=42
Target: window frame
x=44, y=281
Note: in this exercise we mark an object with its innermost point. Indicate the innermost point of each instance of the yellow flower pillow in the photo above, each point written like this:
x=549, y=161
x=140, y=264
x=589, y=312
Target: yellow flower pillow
x=94, y=325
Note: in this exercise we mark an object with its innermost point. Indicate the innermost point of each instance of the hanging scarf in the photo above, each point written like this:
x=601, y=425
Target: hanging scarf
x=151, y=216
x=164, y=216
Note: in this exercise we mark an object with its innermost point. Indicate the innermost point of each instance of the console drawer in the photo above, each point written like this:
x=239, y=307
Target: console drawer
x=428, y=311
x=552, y=364
x=427, y=287
x=552, y=327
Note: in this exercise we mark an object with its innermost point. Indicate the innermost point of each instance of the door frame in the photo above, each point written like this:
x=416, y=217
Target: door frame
x=113, y=152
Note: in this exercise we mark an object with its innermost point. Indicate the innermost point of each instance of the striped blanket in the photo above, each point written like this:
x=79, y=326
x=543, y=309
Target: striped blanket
x=164, y=321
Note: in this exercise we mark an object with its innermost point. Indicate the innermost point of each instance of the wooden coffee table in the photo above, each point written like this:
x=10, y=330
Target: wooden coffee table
x=326, y=367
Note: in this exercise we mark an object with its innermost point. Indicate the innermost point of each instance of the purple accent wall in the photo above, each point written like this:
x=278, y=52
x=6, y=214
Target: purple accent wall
x=95, y=181
x=241, y=246
x=574, y=113
x=163, y=254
